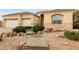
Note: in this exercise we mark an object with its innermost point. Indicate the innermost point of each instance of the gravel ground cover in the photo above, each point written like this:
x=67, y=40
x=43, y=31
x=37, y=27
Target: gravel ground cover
x=54, y=42
x=12, y=43
x=58, y=43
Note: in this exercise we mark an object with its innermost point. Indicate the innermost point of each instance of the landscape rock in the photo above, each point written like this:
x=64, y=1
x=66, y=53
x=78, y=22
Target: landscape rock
x=9, y=34
x=4, y=35
x=48, y=30
x=29, y=33
x=18, y=34
x=21, y=34
x=14, y=33
x=58, y=35
x=66, y=43
x=39, y=32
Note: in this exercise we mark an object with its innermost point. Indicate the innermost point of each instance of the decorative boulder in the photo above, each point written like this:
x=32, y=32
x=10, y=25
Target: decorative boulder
x=39, y=32
x=18, y=34
x=4, y=35
x=21, y=34
x=66, y=43
x=48, y=30
x=9, y=34
x=29, y=33
x=14, y=33
x=58, y=35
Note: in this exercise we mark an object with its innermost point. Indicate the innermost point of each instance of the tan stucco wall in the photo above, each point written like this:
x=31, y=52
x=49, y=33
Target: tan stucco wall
x=36, y=20
x=10, y=16
x=33, y=18
x=67, y=20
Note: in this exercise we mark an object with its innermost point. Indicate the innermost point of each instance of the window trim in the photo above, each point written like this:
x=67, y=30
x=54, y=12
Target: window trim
x=56, y=15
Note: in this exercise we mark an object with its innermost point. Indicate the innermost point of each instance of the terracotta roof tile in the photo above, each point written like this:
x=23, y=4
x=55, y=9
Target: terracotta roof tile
x=56, y=10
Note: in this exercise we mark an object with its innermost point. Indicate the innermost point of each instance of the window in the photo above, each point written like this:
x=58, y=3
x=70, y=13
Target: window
x=57, y=19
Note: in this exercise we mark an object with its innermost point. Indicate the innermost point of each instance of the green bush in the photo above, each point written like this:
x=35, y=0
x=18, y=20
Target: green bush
x=1, y=36
x=73, y=35
x=19, y=29
x=76, y=20
x=38, y=28
x=28, y=27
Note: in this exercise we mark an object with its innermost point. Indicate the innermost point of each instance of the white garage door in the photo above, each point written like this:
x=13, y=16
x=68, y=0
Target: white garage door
x=27, y=22
x=11, y=23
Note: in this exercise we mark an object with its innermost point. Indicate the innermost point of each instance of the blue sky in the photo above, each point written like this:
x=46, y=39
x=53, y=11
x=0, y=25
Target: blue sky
x=9, y=11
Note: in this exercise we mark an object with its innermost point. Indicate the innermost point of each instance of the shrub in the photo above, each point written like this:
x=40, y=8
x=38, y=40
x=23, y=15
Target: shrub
x=73, y=35
x=76, y=20
x=38, y=28
x=28, y=27
x=19, y=29
x=1, y=36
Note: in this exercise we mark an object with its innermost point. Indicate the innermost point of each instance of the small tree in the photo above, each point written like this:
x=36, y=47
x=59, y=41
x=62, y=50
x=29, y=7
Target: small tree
x=76, y=20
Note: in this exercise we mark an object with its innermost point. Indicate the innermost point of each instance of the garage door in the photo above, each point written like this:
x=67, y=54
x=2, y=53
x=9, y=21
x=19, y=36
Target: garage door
x=11, y=23
x=27, y=22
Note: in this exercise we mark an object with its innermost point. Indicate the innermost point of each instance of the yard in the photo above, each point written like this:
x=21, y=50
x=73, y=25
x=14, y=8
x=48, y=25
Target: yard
x=12, y=43
x=54, y=42
x=58, y=43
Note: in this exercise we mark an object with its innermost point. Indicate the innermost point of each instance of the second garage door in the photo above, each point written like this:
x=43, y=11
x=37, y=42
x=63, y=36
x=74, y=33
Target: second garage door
x=27, y=22
x=11, y=23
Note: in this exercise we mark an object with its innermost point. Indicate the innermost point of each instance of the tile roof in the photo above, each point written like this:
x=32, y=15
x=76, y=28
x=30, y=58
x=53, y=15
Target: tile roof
x=56, y=10
x=21, y=13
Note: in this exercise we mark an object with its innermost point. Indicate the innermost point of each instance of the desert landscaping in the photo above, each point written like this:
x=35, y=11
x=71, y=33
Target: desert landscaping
x=60, y=43
x=55, y=40
x=44, y=30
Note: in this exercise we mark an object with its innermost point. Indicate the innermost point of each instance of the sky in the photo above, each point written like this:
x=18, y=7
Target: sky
x=9, y=11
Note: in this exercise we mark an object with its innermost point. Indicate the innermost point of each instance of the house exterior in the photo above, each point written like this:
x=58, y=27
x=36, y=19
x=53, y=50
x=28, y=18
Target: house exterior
x=57, y=19
x=20, y=19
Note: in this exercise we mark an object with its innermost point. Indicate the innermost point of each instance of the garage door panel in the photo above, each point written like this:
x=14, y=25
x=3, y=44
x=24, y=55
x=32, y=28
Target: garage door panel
x=11, y=23
x=26, y=22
